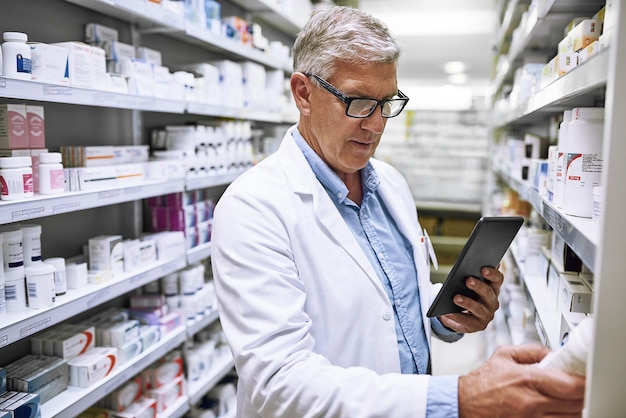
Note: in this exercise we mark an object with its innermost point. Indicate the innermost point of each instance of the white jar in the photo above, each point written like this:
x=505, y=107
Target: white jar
x=60, y=278
x=16, y=62
x=27, y=175
x=76, y=275
x=51, y=177
x=559, y=180
x=15, y=289
x=12, y=250
x=31, y=243
x=583, y=162
x=40, y=286
x=11, y=178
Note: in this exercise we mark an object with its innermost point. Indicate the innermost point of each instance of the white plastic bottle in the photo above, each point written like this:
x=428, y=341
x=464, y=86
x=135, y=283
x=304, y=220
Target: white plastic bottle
x=11, y=178
x=16, y=58
x=571, y=357
x=60, y=278
x=559, y=179
x=51, y=178
x=583, y=163
x=31, y=243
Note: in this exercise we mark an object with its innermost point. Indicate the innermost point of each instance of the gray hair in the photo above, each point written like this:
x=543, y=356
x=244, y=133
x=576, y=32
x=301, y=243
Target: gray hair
x=342, y=34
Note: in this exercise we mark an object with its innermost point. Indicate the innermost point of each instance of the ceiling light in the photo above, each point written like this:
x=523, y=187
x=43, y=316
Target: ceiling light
x=454, y=67
x=460, y=78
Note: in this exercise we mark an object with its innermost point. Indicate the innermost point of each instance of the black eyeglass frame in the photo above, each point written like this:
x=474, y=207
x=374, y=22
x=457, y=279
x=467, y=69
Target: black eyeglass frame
x=348, y=100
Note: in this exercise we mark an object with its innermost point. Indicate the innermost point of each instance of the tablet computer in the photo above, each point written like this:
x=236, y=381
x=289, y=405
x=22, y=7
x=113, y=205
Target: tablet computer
x=487, y=244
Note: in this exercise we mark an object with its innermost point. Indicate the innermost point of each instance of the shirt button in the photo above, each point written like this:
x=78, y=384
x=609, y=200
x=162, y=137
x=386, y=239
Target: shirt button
x=386, y=315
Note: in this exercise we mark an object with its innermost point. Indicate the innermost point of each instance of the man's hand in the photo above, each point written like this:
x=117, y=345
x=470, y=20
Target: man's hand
x=509, y=385
x=478, y=313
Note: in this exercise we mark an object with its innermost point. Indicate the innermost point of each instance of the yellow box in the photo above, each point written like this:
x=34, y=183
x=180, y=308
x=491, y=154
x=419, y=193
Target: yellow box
x=585, y=32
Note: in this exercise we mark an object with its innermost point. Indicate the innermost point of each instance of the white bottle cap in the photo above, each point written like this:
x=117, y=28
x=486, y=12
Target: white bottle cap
x=15, y=36
x=588, y=113
x=11, y=162
x=49, y=157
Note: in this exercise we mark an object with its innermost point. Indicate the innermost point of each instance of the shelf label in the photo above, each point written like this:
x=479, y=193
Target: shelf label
x=65, y=207
x=19, y=215
x=4, y=340
x=133, y=190
x=57, y=91
x=140, y=278
x=3, y=82
x=98, y=297
x=108, y=194
x=34, y=327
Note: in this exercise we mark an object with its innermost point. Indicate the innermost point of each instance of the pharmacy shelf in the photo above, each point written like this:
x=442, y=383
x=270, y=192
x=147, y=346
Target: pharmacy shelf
x=582, y=235
x=141, y=12
x=580, y=87
x=75, y=400
x=43, y=92
x=198, y=324
x=206, y=182
x=220, y=367
x=15, y=326
x=40, y=206
x=270, y=12
x=177, y=409
x=548, y=17
x=156, y=19
x=510, y=20
x=198, y=253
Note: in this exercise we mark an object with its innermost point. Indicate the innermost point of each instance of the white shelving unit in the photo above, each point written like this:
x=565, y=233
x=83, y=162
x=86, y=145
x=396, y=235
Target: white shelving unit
x=125, y=119
x=600, y=247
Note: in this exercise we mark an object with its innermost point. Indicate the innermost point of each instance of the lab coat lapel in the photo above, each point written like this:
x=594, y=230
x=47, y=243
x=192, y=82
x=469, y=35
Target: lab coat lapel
x=329, y=220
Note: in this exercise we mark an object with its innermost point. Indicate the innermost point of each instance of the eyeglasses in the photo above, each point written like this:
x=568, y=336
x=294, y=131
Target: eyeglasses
x=358, y=107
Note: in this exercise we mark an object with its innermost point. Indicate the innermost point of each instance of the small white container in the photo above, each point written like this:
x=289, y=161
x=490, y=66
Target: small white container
x=12, y=249
x=60, y=278
x=11, y=178
x=559, y=180
x=27, y=175
x=76, y=275
x=15, y=289
x=31, y=243
x=40, y=285
x=51, y=177
x=16, y=62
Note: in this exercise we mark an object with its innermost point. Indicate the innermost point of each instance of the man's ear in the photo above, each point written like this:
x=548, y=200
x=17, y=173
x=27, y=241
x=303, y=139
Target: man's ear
x=301, y=91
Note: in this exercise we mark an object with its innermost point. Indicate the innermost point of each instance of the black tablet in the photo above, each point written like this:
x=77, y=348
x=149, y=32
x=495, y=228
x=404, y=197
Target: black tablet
x=485, y=247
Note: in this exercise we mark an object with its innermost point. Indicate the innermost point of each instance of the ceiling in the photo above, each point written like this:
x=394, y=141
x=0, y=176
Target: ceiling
x=432, y=33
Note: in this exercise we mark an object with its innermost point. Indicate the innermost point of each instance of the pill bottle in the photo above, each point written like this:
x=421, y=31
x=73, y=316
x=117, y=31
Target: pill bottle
x=60, y=278
x=11, y=178
x=51, y=178
x=27, y=175
x=15, y=289
x=16, y=58
x=12, y=249
x=583, y=160
x=40, y=286
x=559, y=176
x=31, y=243
x=571, y=356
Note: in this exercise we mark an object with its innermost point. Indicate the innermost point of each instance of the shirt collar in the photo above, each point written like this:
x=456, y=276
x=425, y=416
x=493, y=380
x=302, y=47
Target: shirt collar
x=329, y=179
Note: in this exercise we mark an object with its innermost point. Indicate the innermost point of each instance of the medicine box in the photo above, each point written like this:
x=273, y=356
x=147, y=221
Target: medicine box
x=36, y=126
x=93, y=366
x=585, y=32
x=106, y=254
x=48, y=379
x=122, y=398
x=22, y=405
x=98, y=34
x=569, y=321
x=81, y=70
x=13, y=126
x=49, y=63
x=574, y=295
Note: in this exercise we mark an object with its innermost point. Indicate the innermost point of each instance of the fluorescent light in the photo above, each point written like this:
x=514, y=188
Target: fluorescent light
x=454, y=67
x=467, y=22
x=459, y=78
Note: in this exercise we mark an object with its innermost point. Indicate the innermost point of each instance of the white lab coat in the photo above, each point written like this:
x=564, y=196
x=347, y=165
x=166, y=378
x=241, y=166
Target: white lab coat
x=307, y=319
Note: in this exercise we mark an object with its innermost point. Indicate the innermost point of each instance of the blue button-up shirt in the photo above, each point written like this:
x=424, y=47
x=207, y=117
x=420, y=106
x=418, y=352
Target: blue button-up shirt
x=391, y=256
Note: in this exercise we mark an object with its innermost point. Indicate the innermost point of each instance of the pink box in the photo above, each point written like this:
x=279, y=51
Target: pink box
x=13, y=126
x=36, y=126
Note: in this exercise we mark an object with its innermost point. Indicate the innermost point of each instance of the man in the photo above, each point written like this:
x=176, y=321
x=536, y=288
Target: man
x=321, y=270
